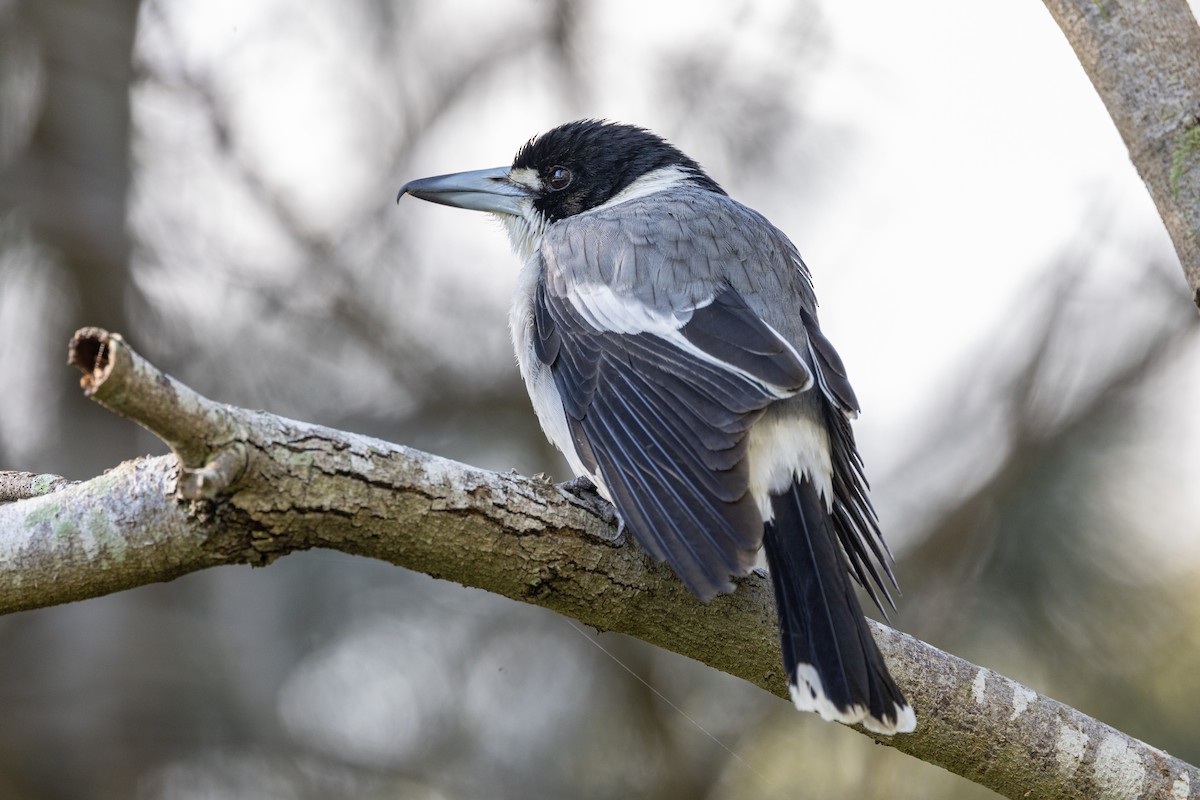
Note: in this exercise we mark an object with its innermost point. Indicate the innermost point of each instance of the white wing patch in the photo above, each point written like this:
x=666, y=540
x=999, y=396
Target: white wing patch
x=605, y=310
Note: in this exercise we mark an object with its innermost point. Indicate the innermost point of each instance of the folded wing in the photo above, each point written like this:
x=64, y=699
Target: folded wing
x=659, y=401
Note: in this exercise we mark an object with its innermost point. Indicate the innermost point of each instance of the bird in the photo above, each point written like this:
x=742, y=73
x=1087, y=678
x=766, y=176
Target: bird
x=668, y=338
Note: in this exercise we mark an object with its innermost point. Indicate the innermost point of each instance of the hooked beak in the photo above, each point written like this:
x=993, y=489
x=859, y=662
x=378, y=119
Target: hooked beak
x=482, y=190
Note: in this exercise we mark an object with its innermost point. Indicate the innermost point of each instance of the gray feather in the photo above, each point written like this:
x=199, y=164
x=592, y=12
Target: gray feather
x=666, y=429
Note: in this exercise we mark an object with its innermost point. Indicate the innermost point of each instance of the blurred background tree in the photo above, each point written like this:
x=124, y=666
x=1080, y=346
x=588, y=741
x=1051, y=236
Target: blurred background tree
x=215, y=181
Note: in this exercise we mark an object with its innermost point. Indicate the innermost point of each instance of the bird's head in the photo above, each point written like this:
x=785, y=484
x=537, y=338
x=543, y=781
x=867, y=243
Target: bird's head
x=569, y=170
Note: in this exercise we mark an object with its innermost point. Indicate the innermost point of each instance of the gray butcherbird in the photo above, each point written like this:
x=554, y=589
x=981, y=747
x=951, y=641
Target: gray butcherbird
x=668, y=338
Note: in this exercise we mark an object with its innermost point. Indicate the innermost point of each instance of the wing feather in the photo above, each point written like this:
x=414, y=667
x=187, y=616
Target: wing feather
x=668, y=327
x=854, y=518
x=664, y=417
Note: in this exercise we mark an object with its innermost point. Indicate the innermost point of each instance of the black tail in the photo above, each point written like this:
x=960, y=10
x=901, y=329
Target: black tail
x=832, y=663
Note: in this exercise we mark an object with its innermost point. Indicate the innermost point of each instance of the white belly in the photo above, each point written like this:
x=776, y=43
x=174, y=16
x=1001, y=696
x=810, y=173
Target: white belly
x=539, y=382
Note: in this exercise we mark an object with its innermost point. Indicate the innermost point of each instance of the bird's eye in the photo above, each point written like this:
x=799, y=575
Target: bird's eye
x=560, y=178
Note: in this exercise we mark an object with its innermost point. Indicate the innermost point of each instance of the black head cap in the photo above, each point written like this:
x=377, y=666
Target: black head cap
x=584, y=163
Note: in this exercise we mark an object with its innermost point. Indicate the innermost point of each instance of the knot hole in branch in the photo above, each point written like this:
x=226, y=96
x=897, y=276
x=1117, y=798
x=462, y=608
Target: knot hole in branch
x=91, y=351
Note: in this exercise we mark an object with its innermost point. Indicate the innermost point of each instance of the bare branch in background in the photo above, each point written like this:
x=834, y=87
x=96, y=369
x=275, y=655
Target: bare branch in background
x=1044, y=411
x=340, y=280
x=64, y=178
x=24, y=485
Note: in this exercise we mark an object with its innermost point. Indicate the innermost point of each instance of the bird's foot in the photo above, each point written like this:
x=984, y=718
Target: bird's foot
x=582, y=492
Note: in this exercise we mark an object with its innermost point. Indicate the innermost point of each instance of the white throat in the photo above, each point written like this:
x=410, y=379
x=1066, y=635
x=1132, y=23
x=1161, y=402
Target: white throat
x=524, y=232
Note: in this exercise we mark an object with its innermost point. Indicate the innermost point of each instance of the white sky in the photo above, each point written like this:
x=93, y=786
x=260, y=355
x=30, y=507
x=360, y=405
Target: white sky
x=968, y=150
x=981, y=150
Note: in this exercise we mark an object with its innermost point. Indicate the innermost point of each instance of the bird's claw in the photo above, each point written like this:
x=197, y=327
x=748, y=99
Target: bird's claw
x=581, y=492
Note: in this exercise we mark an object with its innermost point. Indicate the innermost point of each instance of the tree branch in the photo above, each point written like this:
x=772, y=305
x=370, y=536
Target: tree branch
x=1144, y=61
x=22, y=485
x=248, y=487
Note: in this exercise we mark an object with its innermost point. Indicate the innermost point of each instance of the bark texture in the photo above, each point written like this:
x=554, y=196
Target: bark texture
x=248, y=487
x=1144, y=61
